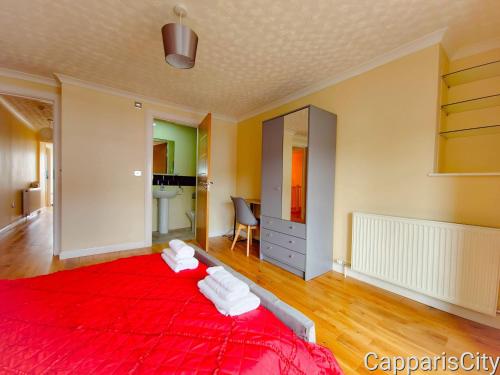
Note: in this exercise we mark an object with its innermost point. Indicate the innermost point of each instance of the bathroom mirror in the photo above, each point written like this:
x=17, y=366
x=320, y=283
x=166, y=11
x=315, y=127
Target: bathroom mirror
x=163, y=156
x=295, y=145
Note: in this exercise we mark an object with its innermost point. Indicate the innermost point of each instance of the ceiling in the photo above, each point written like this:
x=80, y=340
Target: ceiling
x=37, y=114
x=250, y=53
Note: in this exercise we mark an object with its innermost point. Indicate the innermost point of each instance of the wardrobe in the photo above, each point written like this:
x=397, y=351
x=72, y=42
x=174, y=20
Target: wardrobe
x=297, y=195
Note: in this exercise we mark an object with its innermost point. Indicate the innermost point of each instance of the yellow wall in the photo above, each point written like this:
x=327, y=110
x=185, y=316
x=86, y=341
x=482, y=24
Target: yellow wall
x=103, y=142
x=18, y=164
x=387, y=122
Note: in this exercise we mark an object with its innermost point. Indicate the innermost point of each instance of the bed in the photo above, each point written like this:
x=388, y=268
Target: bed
x=136, y=316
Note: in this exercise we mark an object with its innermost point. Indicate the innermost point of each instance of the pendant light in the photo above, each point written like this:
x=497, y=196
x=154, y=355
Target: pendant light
x=47, y=134
x=179, y=42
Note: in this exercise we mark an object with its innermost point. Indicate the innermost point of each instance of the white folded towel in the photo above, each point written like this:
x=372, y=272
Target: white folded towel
x=180, y=265
x=182, y=255
x=212, y=270
x=223, y=292
x=240, y=306
x=180, y=249
x=229, y=282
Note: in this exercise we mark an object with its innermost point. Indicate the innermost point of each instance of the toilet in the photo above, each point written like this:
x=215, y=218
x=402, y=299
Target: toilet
x=191, y=215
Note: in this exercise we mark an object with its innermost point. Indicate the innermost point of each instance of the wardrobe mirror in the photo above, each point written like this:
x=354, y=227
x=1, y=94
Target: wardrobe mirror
x=294, y=188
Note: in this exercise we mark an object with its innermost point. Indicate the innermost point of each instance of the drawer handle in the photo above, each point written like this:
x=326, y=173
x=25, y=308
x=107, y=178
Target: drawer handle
x=269, y=247
x=290, y=256
x=291, y=241
x=290, y=227
x=268, y=234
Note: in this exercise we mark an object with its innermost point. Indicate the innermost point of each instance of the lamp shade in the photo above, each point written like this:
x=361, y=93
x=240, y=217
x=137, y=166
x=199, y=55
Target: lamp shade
x=46, y=134
x=179, y=43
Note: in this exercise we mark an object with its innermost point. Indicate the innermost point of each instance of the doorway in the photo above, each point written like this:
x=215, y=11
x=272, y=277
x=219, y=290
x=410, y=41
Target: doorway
x=197, y=184
x=174, y=181
x=29, y=192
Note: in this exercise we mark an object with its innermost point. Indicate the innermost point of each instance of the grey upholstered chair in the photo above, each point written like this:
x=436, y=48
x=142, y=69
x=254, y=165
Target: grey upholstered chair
x=244, y=217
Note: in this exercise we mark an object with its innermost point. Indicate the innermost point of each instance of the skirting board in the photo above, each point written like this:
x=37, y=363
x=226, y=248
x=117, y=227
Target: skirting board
x=415, y=296
x=219, y=233
x=101, y=250
x=13, y=224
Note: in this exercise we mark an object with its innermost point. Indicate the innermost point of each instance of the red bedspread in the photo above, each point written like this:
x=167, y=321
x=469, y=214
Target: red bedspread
x=135, y=316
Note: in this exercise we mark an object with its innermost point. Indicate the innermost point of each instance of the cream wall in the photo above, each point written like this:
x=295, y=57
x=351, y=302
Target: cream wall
x=18, y=164
x=103, y=142
x=387, y=122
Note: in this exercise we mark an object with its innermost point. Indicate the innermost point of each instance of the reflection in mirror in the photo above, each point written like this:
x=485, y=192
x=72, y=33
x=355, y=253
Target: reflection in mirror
x=295, y=143
x=163, y=156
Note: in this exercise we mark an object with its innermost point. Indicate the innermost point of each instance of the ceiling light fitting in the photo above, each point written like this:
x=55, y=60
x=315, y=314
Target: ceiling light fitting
x=179, y=42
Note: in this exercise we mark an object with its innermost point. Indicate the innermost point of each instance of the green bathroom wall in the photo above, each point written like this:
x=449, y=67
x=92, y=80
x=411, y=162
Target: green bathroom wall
x=185, y=145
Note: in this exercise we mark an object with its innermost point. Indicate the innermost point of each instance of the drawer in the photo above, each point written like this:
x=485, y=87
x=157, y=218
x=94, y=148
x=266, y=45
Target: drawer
x=284, y=240
x=284, y=226
x=292, y=258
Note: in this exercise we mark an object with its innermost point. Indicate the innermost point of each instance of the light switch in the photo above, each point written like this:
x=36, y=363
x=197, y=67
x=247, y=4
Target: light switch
x=137, y=173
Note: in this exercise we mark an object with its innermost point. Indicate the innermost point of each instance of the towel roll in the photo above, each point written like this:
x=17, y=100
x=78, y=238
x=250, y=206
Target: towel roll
x=212, y=270
x=240, y=306
x=181, y=265
x=181, y=249
x=229, y=282
x=223, y=293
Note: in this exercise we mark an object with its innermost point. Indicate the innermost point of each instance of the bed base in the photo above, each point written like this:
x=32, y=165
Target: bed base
x=292, y=318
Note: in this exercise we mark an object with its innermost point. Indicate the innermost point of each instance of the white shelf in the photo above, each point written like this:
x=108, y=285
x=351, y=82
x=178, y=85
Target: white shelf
x=485, y=174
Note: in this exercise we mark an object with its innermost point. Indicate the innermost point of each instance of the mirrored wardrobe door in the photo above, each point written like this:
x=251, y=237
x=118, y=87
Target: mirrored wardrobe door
x=295, y=151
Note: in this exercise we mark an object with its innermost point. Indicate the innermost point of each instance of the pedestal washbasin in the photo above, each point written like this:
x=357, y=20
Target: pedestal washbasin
x=163, y=196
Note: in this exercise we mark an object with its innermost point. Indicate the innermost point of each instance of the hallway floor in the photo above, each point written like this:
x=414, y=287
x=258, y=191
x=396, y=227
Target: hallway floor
x=352, y=318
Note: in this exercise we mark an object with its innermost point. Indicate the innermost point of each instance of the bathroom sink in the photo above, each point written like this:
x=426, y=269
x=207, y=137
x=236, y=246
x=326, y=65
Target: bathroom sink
x=164, y=195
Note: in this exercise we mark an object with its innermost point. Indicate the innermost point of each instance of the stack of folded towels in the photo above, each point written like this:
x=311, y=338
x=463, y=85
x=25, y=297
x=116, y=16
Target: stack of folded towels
x=180, y=256
x=230, y=295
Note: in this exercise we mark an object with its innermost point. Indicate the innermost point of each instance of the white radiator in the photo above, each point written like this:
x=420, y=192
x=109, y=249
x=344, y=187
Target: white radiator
x=32, y=200
x=459, y=264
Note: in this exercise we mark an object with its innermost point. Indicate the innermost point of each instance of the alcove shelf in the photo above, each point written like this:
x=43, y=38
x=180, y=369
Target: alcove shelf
x=474, y=73
x=472, y=104
x=467, y=132
x=470, y=124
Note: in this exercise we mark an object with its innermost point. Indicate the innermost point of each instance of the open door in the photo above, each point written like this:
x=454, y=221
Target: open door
x=203, y=181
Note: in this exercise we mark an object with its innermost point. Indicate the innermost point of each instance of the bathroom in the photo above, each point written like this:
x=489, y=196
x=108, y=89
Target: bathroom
x=174, y=181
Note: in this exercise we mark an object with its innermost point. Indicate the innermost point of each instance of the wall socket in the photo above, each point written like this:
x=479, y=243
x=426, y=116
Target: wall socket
x=342, y=262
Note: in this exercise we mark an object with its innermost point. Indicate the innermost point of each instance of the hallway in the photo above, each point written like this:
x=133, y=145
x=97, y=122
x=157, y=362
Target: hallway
x=26, y=250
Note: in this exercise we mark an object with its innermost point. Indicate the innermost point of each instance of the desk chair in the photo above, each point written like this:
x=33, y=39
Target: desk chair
x=245, y=218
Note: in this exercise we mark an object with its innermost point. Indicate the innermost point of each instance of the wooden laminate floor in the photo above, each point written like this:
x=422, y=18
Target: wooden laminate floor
x=352, y=318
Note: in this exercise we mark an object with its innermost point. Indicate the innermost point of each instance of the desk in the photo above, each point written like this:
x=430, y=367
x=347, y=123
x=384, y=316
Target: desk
x=253, y=203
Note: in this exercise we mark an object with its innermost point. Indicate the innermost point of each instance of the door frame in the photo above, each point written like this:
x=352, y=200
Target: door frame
x=151, y=115
x=55, y=100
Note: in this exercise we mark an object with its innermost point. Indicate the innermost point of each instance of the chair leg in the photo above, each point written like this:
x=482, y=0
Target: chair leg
x=249, y=234
x=236, y=236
